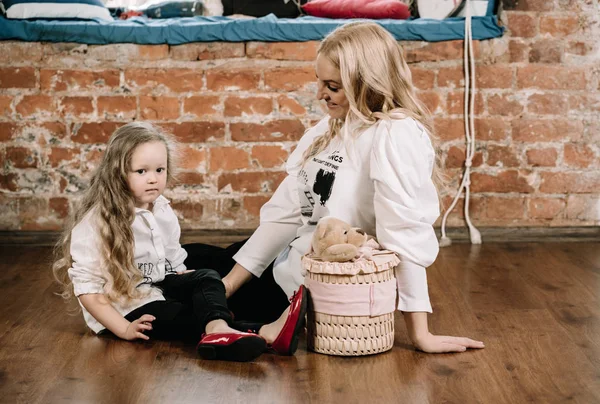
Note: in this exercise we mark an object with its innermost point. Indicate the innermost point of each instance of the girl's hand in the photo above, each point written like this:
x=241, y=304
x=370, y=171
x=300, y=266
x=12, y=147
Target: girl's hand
x=135, y=329
x=439, y=343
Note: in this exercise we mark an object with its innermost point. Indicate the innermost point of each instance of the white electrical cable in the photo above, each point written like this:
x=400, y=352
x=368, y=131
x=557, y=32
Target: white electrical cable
x=469, y=63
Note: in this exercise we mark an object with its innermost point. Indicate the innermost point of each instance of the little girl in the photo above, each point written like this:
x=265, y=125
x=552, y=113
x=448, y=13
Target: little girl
x=122, y=259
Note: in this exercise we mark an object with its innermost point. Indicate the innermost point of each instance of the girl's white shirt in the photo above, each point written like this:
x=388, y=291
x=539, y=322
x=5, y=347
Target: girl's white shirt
x=157, y=254
x=380, y=182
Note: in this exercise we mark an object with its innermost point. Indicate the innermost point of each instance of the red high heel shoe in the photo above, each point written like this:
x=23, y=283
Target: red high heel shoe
x=286, y=342
x=242, y=347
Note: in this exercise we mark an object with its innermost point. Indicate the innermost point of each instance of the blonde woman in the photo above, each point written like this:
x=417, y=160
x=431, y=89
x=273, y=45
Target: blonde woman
x=369, y=162
x=122, y=259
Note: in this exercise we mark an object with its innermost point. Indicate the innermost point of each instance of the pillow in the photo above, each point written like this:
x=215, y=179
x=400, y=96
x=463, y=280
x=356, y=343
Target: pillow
x=374, y=9
x=83, y=9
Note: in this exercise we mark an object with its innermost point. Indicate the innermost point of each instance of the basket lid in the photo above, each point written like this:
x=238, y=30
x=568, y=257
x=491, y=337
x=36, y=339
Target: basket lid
x=379, y=261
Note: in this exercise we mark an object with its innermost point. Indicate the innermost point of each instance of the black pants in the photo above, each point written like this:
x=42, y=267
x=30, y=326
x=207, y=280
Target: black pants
x=261, y=299
x=193, y=300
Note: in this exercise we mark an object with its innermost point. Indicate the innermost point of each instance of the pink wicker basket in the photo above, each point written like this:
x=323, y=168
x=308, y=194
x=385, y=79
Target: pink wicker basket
x=352, y=304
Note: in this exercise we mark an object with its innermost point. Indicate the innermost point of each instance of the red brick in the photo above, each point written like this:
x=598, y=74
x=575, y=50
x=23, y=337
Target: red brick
x=583, y=207
x=306, y=51
x=190, y=178
x=5, y=108
x=528, y=5
x=432, y=100
x=33, y=214
x=7, y=131
x=550, y=77
x=60, y=156
x=59, y=206
x=17, y=52
x=289, y=78
x=504, y=182
x=174, y=79
x=502, y=156
x=192, y=158
x=22, y=157
x=188, y=210
x=455, y=103
x=580, y=48
x=92, y=160
x=197, y=132
x=423, y=79
x=542, y=157
x=248, y=106
x=545, y=208
x=546, y=51
x=202, y=105
x=252, y=204
x=54, y=129
x=228, y=159
x=546, y=104
x=449, y=129
x=232, y=80
x=518, y=51
x=493, y=76
x=127, y=52
x=77, y=106
x=522, y=25
x=117, y=107
x=576, y=183
x=268, y=156
x=17, y=77
x=451, y=77
x=159, y=108
x=36, y=106
x=9, y=182
x=491, y=129
x=288, y=105
x=534, y=130
x=273, y=131
x=73, y=80
x=207, y=51
x=584, y=103
x=263, y=181
x=93, y=132
x=436, y=51
x=504, y=104
x=579, y=155
x=456, y=157
x=504, y=208
x=559, y=25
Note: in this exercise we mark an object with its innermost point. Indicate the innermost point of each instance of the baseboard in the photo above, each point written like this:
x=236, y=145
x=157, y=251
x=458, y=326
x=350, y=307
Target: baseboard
x=457, y=234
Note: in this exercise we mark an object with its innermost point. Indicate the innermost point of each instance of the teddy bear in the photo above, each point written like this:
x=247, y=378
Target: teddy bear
x=336, y=241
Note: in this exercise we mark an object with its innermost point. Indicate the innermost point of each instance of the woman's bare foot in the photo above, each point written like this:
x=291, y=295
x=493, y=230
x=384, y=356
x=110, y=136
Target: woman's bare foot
x=270, y=331
x=220, y=326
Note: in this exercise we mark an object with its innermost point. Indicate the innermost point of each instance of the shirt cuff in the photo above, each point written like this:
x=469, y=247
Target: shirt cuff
x=87, y=289
x=413, y=294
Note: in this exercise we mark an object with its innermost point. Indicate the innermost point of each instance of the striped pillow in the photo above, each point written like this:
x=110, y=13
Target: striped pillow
x=83, y=9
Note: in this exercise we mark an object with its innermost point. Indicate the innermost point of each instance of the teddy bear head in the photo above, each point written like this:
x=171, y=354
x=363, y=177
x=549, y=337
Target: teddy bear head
x=336, y=241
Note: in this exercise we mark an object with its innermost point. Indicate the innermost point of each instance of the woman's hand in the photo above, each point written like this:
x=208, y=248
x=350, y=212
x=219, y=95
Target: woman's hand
x=135, y=329
x=440, y=343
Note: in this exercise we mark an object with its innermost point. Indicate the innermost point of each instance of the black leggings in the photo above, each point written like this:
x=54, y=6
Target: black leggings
x=261, y=299
x=192, y=300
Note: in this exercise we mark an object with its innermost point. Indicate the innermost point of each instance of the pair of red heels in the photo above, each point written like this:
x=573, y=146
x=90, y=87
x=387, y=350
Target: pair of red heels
x=245, y=347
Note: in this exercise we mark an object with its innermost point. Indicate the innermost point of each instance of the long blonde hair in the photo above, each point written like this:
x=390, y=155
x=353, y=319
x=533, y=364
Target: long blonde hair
x=376, y=80
x=109, y=194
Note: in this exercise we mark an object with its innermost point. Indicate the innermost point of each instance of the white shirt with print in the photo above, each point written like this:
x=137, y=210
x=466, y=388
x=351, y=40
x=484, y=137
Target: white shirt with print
x=157, y=253
x=380, y=182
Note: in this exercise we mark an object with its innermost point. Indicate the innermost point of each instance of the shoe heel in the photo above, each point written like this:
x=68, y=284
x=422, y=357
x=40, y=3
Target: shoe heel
x=207, y=352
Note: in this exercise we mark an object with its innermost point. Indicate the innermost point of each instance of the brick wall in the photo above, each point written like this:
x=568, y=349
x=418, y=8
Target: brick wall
x=239, y=108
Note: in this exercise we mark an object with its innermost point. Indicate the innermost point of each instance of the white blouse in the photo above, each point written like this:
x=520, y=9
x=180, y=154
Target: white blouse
x=380, y=182
x=157, y=254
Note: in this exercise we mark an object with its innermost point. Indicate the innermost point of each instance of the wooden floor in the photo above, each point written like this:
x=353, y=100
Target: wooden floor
x=536, y=306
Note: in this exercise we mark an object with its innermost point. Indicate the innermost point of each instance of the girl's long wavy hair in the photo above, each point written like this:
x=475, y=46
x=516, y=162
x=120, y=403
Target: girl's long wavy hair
x=109, y=194
x=377, y=83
